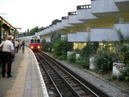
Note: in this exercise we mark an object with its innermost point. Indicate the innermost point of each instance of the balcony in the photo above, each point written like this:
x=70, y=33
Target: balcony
x=123, y=29
x=83, y=36
x=104, y=34
x=42, y=32
x=38, y=34
x=46, y=31
x=85, y=13
x=65, y=22
x=54, y=27
x=59, y=26
x=123, y=5
x=71, y=37
x=50, y=29
x=104, y=8
x=72, y=18
x=78, y=37
x=48, y=39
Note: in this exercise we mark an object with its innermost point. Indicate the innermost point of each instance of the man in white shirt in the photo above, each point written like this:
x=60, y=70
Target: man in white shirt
x=8, y=52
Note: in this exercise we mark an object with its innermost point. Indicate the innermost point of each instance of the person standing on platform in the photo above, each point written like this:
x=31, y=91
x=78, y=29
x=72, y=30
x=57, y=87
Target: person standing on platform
x=8, y=53
x=0, y=59
x=1, y=53
x=16, y=46
x=23, y=46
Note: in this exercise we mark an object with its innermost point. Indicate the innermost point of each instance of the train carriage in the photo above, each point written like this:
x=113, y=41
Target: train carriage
x=35, y=43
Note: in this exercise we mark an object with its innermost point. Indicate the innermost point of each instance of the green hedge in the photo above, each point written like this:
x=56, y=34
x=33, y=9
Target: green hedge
x=104, y=61
x=123, y=50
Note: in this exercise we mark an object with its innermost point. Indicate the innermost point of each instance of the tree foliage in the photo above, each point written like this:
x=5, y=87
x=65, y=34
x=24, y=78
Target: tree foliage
x=60, y=47
x=123, y=50
x=46, y=46
x=31, y=31
x=89, y=50
x=104, y=59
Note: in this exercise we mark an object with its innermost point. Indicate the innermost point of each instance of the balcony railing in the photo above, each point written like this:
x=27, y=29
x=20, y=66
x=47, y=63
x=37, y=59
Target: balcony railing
x=72, y=13
x=64, y=18
x=84, y=7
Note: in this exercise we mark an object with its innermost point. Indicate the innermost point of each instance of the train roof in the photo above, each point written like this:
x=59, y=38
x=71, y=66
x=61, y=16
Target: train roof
x=28, y=37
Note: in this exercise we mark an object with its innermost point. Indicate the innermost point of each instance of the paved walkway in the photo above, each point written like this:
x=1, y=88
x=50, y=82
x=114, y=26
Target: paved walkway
x=26, y=81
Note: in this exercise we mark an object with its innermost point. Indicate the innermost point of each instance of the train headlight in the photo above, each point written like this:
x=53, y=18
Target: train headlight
x=39, y=47
x=31, y=47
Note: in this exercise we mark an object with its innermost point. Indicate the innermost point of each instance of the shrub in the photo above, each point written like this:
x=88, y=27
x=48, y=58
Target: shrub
x=72, y=58
x=61, y=57
x=85, y=54
x=46, y=46
x=90, y=49
x=123, y=50
x=60, y=48
x=125, y=73
x=83, y=62
x=104, y=60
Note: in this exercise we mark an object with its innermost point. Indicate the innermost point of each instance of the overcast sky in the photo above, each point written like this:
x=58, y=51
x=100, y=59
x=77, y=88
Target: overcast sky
x=30, y=13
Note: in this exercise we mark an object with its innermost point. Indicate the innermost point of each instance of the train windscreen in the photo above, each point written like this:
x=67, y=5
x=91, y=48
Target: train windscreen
x=32, y=41
x=38, y=40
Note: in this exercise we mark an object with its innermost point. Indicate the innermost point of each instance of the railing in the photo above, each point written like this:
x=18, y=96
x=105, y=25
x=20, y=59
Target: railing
x=72, y=13
x=84, y=7
x=64, y=18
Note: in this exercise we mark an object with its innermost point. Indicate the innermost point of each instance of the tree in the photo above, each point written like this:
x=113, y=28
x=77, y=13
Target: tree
x=34, y=30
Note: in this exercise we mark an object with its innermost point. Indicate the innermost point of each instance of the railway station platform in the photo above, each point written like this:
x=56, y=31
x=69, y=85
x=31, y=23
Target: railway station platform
x=26, y=81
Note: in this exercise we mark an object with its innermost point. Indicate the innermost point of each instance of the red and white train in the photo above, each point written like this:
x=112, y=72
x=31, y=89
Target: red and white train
x=33, y=42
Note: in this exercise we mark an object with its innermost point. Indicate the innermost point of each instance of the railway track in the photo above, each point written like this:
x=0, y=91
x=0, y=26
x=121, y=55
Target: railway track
x=61, y=82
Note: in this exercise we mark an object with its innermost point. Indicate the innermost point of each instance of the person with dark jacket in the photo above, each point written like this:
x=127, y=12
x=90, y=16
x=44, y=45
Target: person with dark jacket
x=1, y=58
x=23, y=46
x=1, y=53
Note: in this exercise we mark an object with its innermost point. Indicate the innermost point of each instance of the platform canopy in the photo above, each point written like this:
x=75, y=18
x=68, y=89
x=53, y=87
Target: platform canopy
x=6, y=29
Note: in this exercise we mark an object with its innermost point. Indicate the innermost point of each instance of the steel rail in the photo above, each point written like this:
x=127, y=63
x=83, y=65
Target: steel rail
x=76, y=79
x=64, y=80
x=82, y=87
x=91, y=87
x=42, y=62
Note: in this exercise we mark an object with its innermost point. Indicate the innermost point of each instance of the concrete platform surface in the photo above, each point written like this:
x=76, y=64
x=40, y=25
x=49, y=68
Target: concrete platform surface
x=26, y=81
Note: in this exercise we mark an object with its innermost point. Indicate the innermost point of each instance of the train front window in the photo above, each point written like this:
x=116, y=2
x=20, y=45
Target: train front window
x=32, y=41
x=38, y=40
